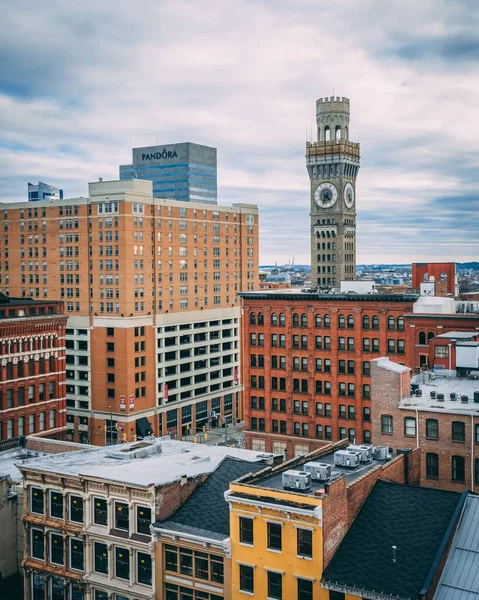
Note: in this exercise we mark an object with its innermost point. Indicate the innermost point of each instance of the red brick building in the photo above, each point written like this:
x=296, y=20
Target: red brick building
x=306, y=365
x=439, y=271
x=441, y=419
x=32, y=368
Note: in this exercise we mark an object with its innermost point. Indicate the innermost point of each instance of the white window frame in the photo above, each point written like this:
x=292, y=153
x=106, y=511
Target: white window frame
x=52, y=533
x=31, y=543
x=70, y=541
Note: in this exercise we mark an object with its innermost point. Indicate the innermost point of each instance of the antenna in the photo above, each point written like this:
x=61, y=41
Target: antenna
x=394, y=548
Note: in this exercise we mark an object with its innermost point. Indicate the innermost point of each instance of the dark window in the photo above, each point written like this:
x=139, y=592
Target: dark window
x=305, y=542
x=110, y=331
x=37, y=502
x=365, y=322
x=56, y=549
x=305, y=589
x=432, y=429
x=100, y=511
x=76, y=509
x=171, y=558
x=387, y=424
x=144, y=568
x=100, y=558
x=38, y=587
x=458, y=431
x=432, y=465
x=476, y=471
x=275, y=585
x=246, y=530
x=57, y=589
x=246, y=579
x=458, y=469
x=77, y=554
x=143, y=520
x=334, y=595
x=122, y=563
x=121, y=516
x=56, y=505
x=274, y=536
x=38, y=544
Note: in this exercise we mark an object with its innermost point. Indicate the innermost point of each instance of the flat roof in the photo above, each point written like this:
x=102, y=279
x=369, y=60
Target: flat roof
x=443, y=384
x=141, y=463
x=11, y=459
x=459, y=335
x=297, y=294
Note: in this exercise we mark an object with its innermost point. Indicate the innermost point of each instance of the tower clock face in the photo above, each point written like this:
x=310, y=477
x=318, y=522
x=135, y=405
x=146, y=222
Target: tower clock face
x=326, y=195
x=348, y=195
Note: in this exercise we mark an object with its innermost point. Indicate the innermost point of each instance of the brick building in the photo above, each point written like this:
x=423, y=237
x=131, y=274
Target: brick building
x=441, y=418
x=446, y=272
x=306, y=365
x=150, y=290
x=32, y=370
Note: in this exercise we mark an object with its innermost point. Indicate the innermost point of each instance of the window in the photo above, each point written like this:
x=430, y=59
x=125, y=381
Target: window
x=275, y=585
x=246, y=530
x=143, y=520
x=143, y=568
x=122, y=563
x=56, y=549
x=122, y=516
x=476, y=471
x=386, y=424
x=274, y=536
x=432, y=465
x=476, y=434
x=441, y=351
x=305, y=589
x=100, y=558
x=77, y=554
x=458, y=431
x=37, y=549
x=409, y=426
x=391, y=323
x=458, y=469
x=100, y=511
x=305, y=542
x=76, y=509
x=365, y=322
x=56, y=505
x=37, y=503
x=246, y=579
x=432, y=429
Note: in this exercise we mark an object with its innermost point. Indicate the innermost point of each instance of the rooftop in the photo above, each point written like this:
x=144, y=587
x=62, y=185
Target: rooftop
x=418, y=521
x=206, y=510
x=447, y=384
x=460, y=577
x=297, y=294
x=459, y=335
x=11, y=459
x=151, y=462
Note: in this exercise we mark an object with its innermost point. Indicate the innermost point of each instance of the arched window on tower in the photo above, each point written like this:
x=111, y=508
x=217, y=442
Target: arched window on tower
x=337, y=133
x=327, y=134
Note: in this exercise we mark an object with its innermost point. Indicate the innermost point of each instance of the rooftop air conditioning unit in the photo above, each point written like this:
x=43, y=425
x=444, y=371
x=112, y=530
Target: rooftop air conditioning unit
x=476, y=397
x=418, y=393
x=432, y=377
x=414, y=387
x=432, y=395
x=380, y=452
x=453, y=396
x=296, y=480
x=365, y=451
x=440, y=397
x=319, y=471
x=464, y=398
x=346, y=458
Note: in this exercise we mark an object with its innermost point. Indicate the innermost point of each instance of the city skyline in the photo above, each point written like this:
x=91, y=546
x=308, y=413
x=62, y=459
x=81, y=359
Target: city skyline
x=244, y=79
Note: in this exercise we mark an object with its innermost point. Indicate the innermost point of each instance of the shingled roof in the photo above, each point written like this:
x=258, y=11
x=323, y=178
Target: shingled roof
x=418, y=521
x=206, y=510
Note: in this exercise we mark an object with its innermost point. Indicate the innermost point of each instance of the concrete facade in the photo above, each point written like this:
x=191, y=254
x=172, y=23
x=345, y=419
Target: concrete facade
x=333, y=164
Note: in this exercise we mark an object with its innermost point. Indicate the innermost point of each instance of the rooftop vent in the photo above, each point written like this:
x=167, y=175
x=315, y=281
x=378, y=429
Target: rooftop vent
x=432, y=395
x=365, y=451
x=346, y=458
x=453, y=396
x=319, y=471
x=464, y=399
x=440, y=397
x=476, y=397
x=296, y=480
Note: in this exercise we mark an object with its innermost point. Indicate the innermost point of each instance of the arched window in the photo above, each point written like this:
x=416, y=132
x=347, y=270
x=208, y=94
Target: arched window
x=274, y=319
x=282, y=319
x=338, y=132
x=327, y=321
x=295, y=320
x=304, y=320
x=400, y=323
x=375, y=322
x=341, y=321
x=430, y=335
x=252, y=318
x=350, y=322
x=365, y=322
x=391, y=323
x=327, y=134
x=422, y=338
x=260, y=319
x=318, y=320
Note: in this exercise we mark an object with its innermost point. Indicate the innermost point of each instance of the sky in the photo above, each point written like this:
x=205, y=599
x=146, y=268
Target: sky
x=81, y=83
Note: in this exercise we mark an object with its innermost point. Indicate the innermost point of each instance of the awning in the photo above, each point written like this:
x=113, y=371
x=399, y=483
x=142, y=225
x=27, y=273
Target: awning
x=143, y=427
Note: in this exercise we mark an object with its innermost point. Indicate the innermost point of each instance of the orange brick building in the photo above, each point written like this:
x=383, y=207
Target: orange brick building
x=32, y=370
x=150, y=290
x=306, y=365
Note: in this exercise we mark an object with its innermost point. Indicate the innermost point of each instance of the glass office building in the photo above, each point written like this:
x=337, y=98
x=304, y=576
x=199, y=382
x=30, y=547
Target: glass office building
x=43, y=191
x=183, y=171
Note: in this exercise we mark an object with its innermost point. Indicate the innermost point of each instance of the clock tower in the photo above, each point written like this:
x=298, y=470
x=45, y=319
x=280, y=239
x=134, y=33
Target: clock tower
x=333, y=165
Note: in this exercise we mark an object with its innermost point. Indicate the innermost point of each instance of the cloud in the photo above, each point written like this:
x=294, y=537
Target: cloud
x=83, y=83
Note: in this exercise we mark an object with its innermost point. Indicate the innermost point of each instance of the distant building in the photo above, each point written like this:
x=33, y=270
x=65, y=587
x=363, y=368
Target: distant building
x=43, y=191
x=425, y=272
x=183, y=171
